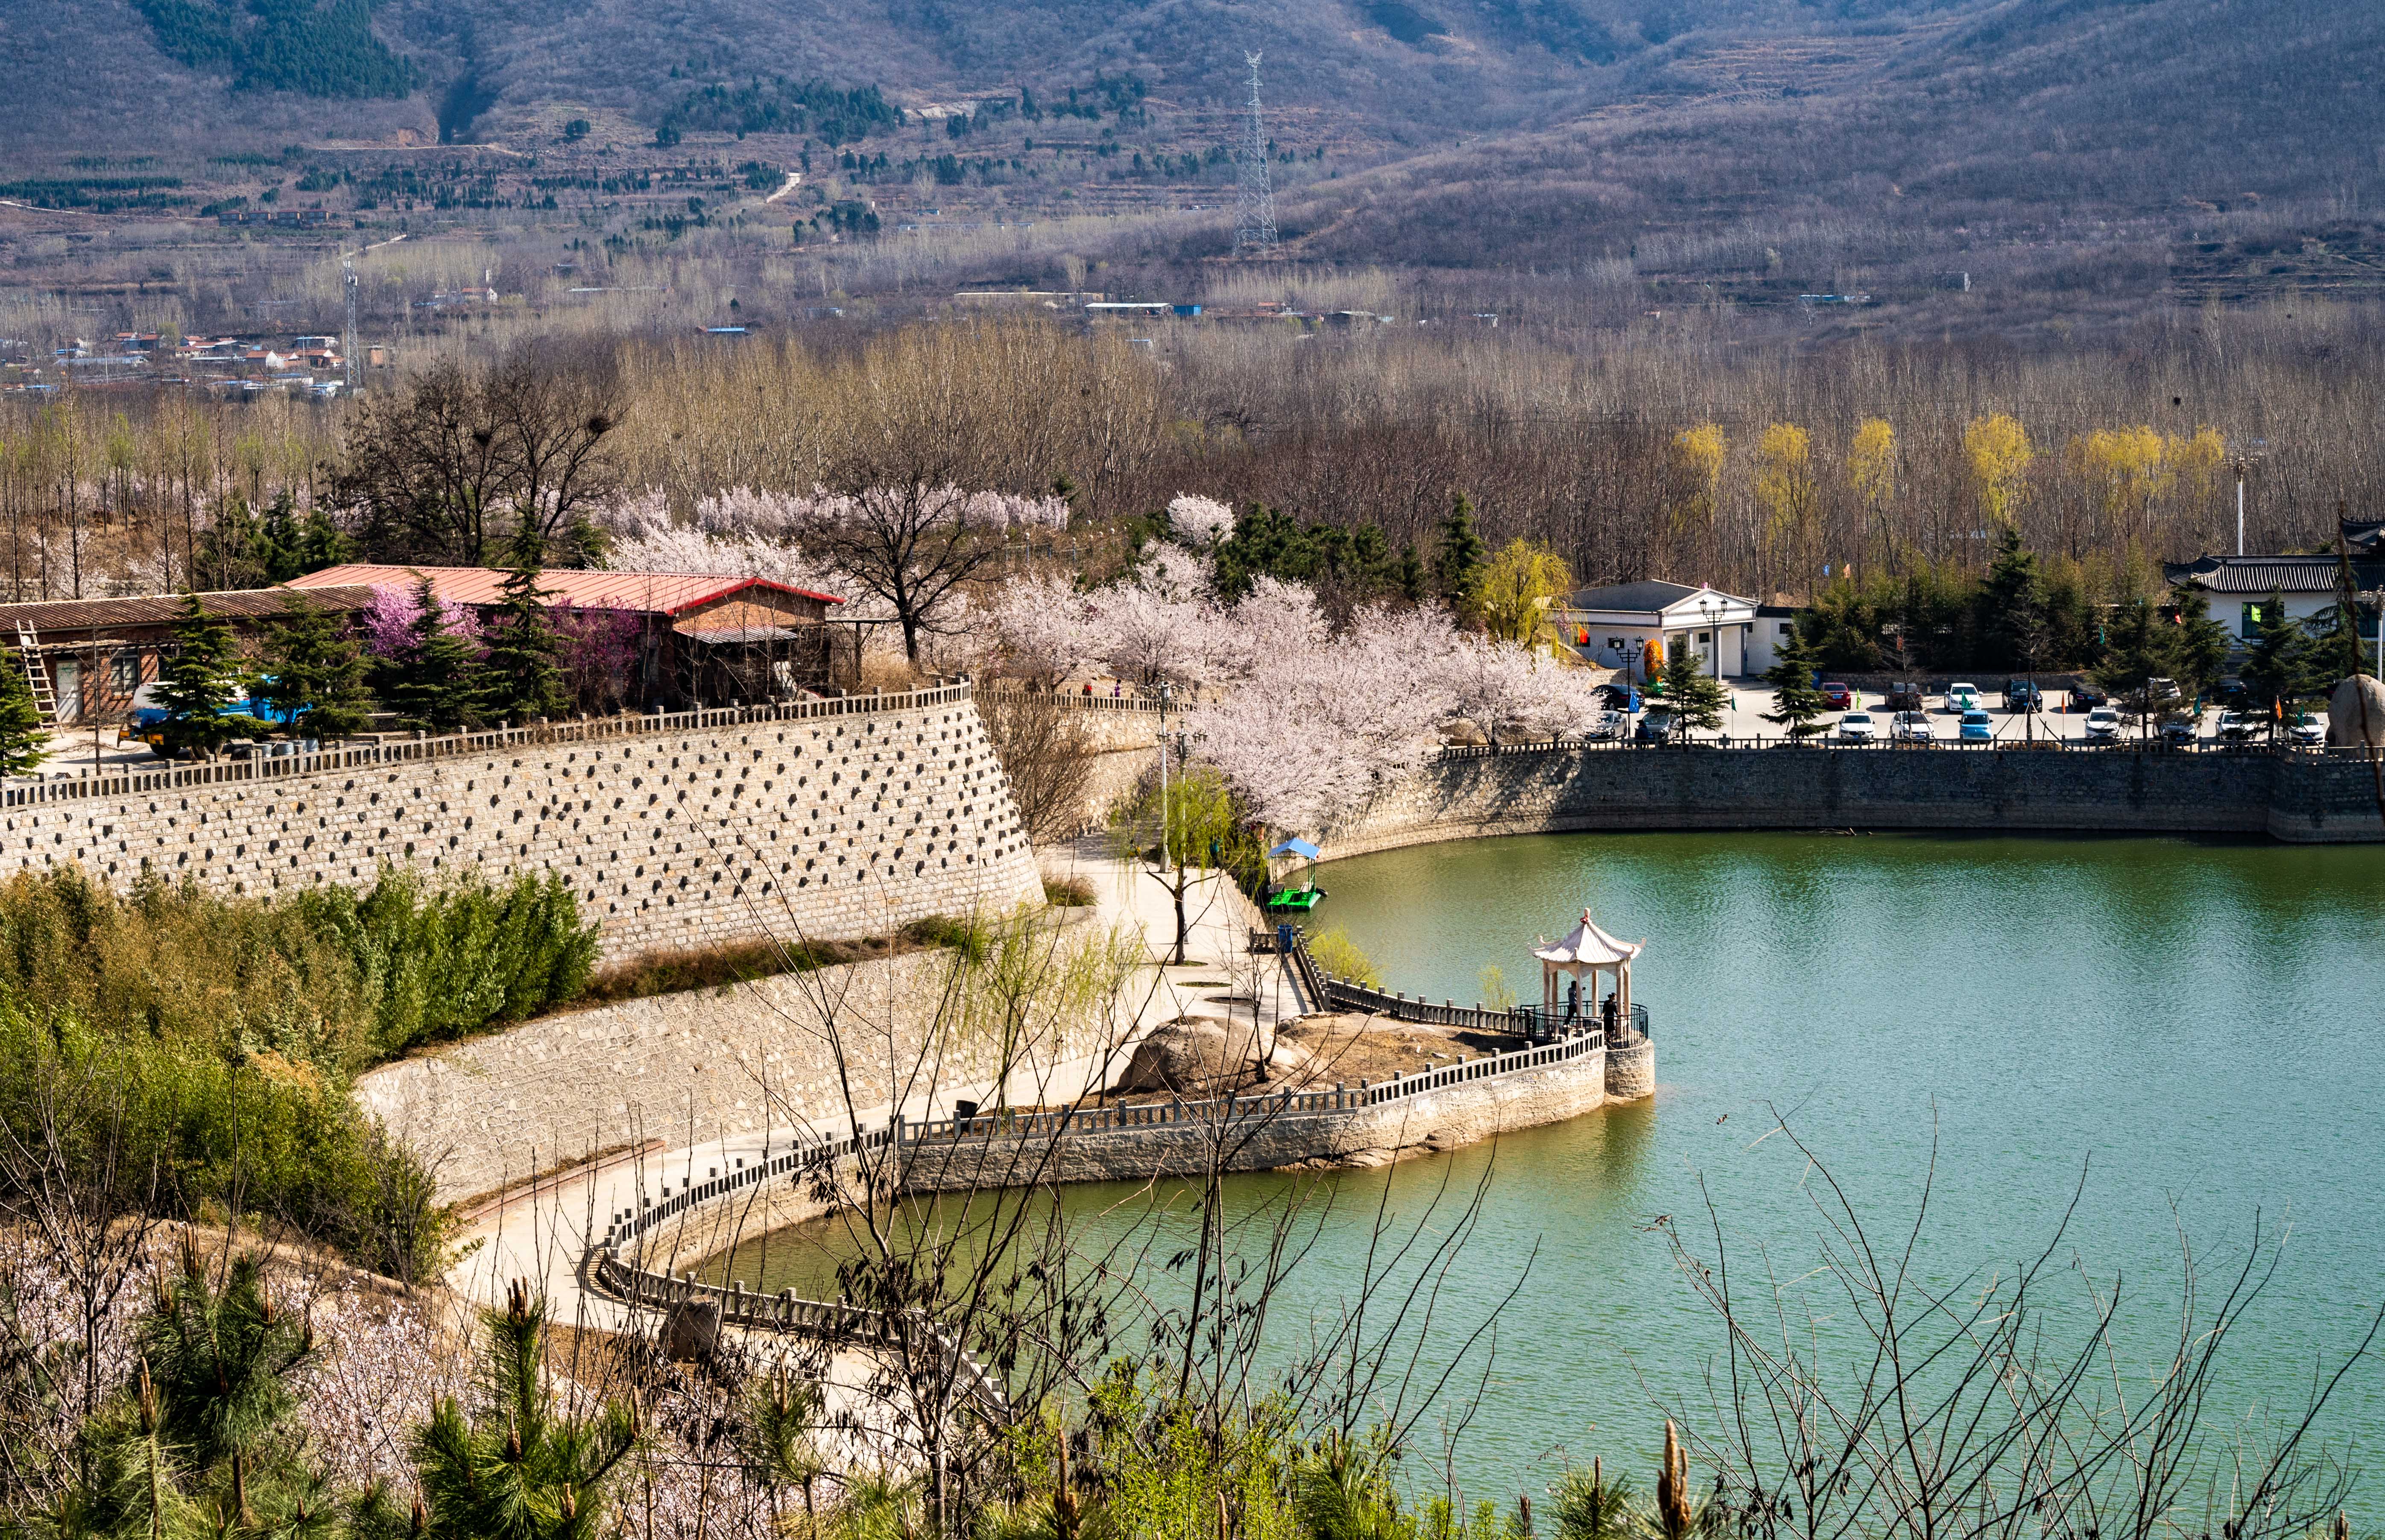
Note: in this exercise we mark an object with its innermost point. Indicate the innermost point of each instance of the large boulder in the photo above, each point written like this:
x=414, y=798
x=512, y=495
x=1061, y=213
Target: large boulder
x=1463, y=732
x=2345, y=713
x=692, y=1329
x=1191, y=1057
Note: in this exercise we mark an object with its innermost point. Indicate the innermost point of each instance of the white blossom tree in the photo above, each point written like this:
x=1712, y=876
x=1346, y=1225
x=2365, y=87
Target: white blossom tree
x=1199, y=521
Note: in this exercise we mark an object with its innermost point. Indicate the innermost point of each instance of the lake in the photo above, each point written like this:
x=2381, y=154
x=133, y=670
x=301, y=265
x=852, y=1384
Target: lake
x=2193, y=1024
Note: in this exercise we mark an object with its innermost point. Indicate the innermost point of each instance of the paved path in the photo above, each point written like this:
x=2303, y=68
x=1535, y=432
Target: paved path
x=545, y=1232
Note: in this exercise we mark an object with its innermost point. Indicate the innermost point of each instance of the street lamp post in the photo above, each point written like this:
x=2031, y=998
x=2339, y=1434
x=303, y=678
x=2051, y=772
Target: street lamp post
x=1165, y=824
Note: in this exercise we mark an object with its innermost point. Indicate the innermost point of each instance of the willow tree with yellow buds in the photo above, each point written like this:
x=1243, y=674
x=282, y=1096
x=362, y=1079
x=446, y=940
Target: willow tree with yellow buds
x=1697, y=456
x=1784, y=485
x=1997, y=449
x=1871, y=473
x=1521, y=588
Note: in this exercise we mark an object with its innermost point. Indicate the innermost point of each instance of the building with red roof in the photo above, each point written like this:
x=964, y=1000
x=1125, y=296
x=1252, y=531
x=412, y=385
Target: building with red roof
x=685, y=637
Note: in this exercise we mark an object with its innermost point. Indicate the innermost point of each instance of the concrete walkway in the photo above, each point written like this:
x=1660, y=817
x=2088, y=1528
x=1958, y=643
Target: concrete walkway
x=543, y=1232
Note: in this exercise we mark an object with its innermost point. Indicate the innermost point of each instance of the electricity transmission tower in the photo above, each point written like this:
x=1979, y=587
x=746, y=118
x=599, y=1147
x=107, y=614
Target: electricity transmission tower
x=1255, y=208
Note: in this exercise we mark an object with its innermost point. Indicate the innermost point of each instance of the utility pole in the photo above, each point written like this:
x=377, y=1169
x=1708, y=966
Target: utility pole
x=348, y=342
x=1255, y=206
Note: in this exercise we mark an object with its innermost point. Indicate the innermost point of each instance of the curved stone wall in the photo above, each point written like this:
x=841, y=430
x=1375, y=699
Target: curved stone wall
x=829, y=827
x=1631, y=1070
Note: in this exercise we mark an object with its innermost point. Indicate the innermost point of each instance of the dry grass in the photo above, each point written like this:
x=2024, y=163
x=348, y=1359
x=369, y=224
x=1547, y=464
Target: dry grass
x=730, y=963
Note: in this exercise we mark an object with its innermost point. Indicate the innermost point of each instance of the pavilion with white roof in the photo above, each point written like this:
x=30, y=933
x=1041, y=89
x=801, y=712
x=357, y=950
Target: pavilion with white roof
x=1588, y=950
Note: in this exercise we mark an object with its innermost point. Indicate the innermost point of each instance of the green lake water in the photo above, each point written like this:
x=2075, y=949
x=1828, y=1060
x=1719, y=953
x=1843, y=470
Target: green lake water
x=2195, y=1024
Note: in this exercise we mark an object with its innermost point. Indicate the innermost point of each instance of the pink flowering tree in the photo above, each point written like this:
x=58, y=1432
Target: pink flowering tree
x=600, y=654
x=389, y=620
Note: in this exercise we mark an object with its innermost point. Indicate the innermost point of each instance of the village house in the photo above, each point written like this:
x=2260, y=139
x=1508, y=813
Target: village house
x=688, y=638
x=85, y=658
x=1613, y=627
x=674, y=638
x=2238, y=586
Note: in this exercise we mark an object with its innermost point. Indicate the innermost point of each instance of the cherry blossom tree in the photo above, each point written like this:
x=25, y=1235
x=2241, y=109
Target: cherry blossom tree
x=1200, y=521
x=388, y=620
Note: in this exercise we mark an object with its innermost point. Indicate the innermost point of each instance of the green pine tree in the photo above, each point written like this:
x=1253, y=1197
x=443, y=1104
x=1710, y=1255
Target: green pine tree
x=2202, y=644
x=2277, y=667
x=2338, y=649
x=198, y=677
x=515, y=1467
x=1409, y=576
x=279, y=542
x=205, y=1441
x=1796, y=699
x=321, y=543
x=1458, y=556
x=1697, y=697
x=23, y=745
x=435, y=683
x=2012, y=606
x=2140, y=646
x=524, y=674
x=312, y=665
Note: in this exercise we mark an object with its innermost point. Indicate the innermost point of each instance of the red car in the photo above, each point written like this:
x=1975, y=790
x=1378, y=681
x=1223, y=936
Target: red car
x=1839, y=696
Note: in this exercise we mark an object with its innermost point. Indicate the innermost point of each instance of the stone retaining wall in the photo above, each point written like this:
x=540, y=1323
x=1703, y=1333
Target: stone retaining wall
x=828, y=826
x=2293, y=797
x=701, y=1065
x=1257, y=1139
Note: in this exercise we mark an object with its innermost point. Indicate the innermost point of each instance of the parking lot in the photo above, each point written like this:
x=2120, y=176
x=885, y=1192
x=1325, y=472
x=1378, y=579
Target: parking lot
x=1750, y=698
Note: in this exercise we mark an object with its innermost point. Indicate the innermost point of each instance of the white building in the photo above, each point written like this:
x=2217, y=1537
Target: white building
x=1612, y=627
x=2237, y=587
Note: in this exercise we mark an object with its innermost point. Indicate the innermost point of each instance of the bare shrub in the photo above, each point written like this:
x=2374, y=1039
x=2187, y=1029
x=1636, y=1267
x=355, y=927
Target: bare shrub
x=1048, y=755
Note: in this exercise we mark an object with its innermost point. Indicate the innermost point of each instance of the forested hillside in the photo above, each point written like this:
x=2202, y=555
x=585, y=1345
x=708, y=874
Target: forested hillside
x=2052, y=153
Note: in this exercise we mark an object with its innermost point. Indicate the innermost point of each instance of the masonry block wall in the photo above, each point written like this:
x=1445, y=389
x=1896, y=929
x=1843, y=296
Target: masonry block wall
x=2291, y=797
x=825, y=827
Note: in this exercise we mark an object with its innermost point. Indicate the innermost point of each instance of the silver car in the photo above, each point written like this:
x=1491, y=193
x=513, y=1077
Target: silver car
x=1911, y=726
x=1856, y=726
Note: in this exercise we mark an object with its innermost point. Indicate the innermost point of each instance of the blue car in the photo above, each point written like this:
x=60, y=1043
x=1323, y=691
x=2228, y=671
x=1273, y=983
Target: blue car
x=1975, y=728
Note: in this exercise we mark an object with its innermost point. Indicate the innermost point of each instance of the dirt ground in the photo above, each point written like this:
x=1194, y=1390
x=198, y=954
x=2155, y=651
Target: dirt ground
x=1315, y=1052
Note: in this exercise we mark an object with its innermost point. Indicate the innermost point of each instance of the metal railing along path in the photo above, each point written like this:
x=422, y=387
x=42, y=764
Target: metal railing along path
x=350, y=757
x=784, y=1311
x=1075, y=701
x=618, y=1275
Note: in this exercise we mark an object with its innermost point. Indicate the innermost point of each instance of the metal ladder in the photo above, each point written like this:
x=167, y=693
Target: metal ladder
x=37, y=672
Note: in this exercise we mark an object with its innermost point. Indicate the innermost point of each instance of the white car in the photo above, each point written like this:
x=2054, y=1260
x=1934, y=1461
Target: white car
x=1961, y=697
x=1856, y=726
x=2236, y=725
x=1911, y=726
x=2103, y=724
x=2306, y=730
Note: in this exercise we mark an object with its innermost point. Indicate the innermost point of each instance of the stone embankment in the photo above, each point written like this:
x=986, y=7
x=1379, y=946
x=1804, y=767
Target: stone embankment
x=826, y=819
x=701, y=1065
x=642, y=1247
x=1539, y=789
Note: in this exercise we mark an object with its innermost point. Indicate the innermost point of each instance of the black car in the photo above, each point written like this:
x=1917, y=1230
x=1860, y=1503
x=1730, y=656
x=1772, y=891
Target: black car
x=2086, y=697
x=2231, y=694
x=1904, y=695
x=2023, y=695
